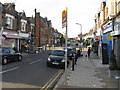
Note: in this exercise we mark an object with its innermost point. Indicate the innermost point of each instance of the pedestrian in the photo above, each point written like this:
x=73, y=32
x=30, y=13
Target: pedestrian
x=15, y=49
x=89, y=51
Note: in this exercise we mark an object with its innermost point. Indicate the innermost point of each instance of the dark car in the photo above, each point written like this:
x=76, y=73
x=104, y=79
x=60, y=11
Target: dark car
x=8, y=54
x=57, y=58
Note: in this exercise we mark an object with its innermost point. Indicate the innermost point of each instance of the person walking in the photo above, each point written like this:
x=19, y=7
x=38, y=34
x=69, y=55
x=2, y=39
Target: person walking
x=89, y=51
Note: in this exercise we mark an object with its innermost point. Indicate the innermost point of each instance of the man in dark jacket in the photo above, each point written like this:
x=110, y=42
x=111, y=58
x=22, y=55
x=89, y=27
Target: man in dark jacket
x=89, y=51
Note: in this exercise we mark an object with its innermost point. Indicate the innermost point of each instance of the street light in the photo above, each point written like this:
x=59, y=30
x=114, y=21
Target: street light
x=80, y=31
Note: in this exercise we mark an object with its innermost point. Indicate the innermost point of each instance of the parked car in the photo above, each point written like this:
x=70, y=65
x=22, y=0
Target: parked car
x=70, y=52
x=57, y=58
x=8, y=54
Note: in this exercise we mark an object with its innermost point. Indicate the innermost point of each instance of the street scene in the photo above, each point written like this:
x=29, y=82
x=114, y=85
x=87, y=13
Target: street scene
x=59, y=45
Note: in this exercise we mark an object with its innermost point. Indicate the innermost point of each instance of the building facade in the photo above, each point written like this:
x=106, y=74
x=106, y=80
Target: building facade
x=10, y=31
x=116, y=34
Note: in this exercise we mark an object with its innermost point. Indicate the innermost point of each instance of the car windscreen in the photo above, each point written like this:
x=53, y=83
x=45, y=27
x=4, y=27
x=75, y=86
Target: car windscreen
x=58, y=53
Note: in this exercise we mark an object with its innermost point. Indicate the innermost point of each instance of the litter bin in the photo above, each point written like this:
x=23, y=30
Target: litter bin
x=44, y=48
x=31, y=49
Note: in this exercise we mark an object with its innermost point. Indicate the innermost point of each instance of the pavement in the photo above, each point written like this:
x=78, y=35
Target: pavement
x=89, y=73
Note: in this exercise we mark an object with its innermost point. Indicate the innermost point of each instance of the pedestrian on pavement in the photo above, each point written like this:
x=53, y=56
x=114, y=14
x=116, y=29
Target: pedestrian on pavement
x=15, y=49
x=89, y=51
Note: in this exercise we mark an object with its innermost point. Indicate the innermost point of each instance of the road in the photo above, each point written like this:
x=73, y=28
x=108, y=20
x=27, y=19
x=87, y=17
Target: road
x=31, y=72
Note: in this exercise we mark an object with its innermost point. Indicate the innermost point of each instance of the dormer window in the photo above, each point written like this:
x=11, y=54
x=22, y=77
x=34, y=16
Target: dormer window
x=32, y=27
x=9, y=21
x=23, y=25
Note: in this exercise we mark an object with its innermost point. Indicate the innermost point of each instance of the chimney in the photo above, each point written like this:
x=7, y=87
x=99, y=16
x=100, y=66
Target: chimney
x=13, y=5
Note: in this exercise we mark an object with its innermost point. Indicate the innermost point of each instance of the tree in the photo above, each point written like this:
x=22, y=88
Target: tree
x=62, y=40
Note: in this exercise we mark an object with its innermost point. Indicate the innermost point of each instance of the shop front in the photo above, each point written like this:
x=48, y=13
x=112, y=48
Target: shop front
x=11, y=39
x=25, y=42
x=116, y=40
x=2, y=38
x=107, y=42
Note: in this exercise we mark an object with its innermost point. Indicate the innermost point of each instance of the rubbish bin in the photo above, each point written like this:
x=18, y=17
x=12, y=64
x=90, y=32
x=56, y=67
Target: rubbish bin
x=31, y=49
x=44, y=48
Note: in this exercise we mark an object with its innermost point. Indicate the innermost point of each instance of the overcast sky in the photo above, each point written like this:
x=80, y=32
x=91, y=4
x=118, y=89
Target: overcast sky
x=79, y=11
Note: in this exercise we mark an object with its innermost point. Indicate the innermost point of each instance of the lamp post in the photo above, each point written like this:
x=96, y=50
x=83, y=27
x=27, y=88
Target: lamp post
x=80, y=31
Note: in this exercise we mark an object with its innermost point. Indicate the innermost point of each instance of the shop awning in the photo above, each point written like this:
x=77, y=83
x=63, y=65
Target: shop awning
x=12, y=36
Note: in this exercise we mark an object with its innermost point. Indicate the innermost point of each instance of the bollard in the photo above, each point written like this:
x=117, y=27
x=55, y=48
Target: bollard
x=119, y=83
x=72, y=63
x=118, y=78
x=76, y=57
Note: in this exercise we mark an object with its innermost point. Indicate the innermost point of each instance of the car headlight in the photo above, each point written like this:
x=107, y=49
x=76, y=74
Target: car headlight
x=63, y=60
x=49, y=59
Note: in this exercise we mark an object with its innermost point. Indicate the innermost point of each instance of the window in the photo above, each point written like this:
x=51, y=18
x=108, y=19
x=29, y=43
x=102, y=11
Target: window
x=43, y=31
x=23, y=25
x=9, y=21
x=12, y=51
x=32, y=28
x=42, y=40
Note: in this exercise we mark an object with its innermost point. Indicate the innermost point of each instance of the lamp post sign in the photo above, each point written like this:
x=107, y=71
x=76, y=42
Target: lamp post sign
x=64, y=18
x=64, y=24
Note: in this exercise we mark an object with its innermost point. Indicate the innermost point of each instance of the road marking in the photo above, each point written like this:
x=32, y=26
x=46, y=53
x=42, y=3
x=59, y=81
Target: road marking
x=54, y=80
x=35, y=61
x=9, y=70
x=50, y=82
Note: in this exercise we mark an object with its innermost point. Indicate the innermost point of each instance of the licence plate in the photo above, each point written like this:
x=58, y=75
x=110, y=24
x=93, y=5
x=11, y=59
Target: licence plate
x=55, y=63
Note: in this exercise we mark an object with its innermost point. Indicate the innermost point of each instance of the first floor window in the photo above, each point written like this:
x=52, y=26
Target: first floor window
x=9, y=22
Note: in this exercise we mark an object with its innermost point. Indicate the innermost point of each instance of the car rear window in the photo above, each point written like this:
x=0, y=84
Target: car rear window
x=58, y=53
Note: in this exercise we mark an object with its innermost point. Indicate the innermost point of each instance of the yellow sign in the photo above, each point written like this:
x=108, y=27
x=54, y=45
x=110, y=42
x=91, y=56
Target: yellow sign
x=109, y=37
x=64, y=18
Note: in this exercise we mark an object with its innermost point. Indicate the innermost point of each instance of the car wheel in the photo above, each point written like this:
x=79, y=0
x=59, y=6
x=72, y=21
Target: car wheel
x=20, y=58
x=48, y=65
x=4, y=61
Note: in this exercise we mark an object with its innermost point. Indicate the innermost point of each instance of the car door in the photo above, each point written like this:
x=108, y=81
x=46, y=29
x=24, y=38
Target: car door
x=6, y=53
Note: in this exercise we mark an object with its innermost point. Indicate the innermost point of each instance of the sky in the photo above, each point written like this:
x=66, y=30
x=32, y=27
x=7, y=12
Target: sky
x=79, y=11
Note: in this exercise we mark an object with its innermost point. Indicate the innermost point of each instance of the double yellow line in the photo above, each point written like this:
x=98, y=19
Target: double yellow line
x=51, y=81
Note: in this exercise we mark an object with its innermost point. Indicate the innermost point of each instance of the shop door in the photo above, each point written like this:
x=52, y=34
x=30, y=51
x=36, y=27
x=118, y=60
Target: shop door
x=105, y=54
x=118, y=51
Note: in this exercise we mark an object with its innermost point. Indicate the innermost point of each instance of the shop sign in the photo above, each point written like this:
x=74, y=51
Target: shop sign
x=107, y=28
x=24, y=35
x=98, y=32
x=114, y=33
x=97, y=38
x=109, y=37
x=9, y=33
